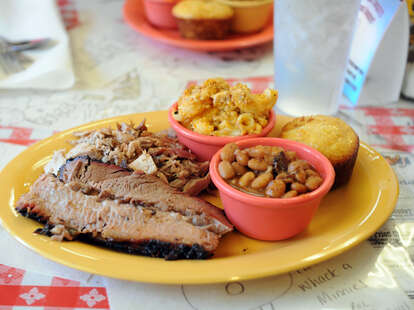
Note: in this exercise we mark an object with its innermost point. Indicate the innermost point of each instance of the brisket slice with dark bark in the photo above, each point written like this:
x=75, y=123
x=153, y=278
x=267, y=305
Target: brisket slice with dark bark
x=110, y=181
x=69, y=213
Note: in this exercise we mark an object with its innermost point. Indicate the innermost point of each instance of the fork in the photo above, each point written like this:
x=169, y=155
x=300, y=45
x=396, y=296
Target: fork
x=11, y=61
x=6, y=64
x=18, y=46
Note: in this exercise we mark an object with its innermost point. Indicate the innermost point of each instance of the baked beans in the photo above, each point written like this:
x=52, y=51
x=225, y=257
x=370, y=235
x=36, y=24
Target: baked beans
x=268, y=171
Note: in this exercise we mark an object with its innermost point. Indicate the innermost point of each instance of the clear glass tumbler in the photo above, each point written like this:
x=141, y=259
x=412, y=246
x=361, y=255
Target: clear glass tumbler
x=312, y=40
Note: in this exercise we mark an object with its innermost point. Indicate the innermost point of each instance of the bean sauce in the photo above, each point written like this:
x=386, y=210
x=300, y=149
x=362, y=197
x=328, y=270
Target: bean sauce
x=268, y=171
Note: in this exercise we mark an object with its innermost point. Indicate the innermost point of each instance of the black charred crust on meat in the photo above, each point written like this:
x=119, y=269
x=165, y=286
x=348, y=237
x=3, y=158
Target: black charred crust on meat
x=152, y=248
x=60, y=176
x=80, y=157
x=45, y=231
x=34, y=216
x=62, y=169
x=280, y=163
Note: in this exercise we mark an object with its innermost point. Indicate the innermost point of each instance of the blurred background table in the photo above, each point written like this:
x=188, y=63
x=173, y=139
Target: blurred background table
x=121, y=72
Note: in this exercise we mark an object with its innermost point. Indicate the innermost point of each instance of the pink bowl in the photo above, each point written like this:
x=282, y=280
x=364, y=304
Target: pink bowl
x=206, y=146
x=159, y=12
x=273, y=218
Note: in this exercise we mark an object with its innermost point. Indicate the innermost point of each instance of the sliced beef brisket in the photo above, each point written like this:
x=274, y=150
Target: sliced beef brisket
x=110, y=181
x=70, y=213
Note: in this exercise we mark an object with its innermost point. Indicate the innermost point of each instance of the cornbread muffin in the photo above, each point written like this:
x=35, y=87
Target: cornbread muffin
x=329, y=135
x=204, y=20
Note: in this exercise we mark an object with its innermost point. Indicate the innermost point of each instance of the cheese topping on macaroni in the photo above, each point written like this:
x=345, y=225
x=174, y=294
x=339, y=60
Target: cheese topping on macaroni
x=216, y=109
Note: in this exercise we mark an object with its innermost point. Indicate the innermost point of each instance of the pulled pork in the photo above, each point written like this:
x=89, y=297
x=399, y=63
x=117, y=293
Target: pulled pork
x=128, y=147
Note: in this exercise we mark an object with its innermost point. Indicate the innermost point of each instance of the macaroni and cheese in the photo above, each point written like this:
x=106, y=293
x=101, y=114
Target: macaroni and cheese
x=215, y=108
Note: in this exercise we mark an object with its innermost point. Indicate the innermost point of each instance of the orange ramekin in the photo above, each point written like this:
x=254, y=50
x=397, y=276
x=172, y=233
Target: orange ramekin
x=203, y=146
x=273, y=218
x=249, y=15
x=159, y=12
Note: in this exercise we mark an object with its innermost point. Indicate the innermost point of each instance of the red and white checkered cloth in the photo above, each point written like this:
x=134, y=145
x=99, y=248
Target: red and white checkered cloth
x=393, y=127
x=22, y=135
x=20, y=288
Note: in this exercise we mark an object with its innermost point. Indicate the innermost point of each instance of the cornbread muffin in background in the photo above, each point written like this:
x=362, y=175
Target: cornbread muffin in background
x=329, y=135
x=203, y=20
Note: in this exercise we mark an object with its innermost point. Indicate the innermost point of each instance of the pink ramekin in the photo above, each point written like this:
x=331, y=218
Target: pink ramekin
x=204, y=147
x=159, y=12
x=273, y=218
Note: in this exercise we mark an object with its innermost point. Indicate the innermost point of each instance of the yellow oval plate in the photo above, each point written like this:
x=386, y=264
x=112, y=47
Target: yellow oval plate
x=346, y=217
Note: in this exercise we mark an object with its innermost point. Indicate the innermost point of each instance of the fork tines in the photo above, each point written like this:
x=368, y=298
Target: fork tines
x=12, y=62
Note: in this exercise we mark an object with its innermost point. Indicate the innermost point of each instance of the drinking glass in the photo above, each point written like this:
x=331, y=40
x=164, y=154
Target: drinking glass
x=312, y=40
